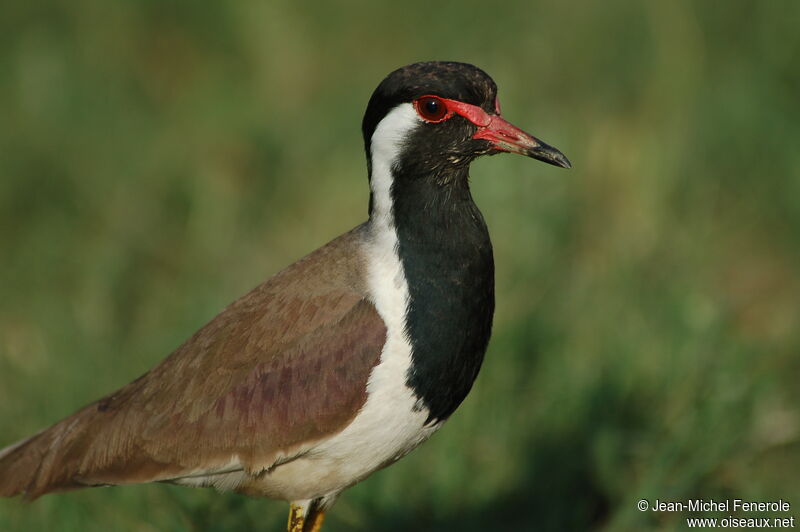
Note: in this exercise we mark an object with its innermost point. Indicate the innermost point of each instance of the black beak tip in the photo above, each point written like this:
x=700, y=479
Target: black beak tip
x=550, y=155
x=563, y=162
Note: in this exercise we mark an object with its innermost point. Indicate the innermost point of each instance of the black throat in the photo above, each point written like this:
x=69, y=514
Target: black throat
x=444, y=246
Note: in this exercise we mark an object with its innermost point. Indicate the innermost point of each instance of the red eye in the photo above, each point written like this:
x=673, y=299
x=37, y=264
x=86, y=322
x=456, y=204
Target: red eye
x=431, y=108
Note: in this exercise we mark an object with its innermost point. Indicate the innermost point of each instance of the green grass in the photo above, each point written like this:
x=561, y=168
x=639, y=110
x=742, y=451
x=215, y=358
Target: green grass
x=153, y=156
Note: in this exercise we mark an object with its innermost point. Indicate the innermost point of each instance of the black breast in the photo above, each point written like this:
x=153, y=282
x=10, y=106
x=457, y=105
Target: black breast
x=444, y=246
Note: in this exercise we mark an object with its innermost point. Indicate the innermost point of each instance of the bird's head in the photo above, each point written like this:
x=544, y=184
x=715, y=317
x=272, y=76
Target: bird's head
x=432, y=119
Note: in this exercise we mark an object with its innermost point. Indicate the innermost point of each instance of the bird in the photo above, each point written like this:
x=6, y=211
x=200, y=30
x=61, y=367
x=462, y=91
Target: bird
x=343, y=362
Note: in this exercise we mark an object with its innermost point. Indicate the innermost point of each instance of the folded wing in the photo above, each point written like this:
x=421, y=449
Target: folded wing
x=282, y=368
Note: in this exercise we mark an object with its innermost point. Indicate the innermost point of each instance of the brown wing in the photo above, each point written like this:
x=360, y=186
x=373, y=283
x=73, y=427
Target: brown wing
x=282, y=367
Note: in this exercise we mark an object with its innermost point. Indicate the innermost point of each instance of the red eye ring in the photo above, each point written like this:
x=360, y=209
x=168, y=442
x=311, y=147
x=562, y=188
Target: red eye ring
x=432, y=108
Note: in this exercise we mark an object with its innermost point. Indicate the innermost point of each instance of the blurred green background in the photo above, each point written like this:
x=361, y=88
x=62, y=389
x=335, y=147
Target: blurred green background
x=158, y=159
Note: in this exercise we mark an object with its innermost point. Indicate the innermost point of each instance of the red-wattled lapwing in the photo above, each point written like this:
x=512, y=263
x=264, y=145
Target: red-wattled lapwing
x=343, y=362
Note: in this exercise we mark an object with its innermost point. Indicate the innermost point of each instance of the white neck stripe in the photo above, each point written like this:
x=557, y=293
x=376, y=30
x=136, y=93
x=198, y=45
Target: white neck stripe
x=385, y=146
x=391, y=422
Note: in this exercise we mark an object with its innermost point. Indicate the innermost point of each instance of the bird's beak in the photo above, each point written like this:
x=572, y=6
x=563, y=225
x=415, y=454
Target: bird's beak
x=505, y=136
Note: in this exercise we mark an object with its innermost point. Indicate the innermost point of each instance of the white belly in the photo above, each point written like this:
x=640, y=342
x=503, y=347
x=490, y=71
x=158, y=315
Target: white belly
x=385, y=430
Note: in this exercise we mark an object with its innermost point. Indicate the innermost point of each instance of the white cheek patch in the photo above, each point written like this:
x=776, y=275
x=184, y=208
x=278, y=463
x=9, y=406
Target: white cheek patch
x=386, y=144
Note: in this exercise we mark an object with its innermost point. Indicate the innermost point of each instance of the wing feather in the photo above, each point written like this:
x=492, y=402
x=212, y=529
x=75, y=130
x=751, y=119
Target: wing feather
x=281, y=368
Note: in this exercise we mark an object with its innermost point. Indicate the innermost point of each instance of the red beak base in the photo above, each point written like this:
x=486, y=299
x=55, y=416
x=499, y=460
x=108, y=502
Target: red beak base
x=505, y=136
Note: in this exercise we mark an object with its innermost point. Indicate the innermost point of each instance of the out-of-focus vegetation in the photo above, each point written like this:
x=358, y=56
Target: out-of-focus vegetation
x=158, y=159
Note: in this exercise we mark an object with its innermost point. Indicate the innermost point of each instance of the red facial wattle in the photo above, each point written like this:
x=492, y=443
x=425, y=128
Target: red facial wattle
x=493, y=128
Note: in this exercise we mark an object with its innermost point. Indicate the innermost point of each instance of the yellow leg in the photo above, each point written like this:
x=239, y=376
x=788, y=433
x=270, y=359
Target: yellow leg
x=314, y=523
x=296, y=519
